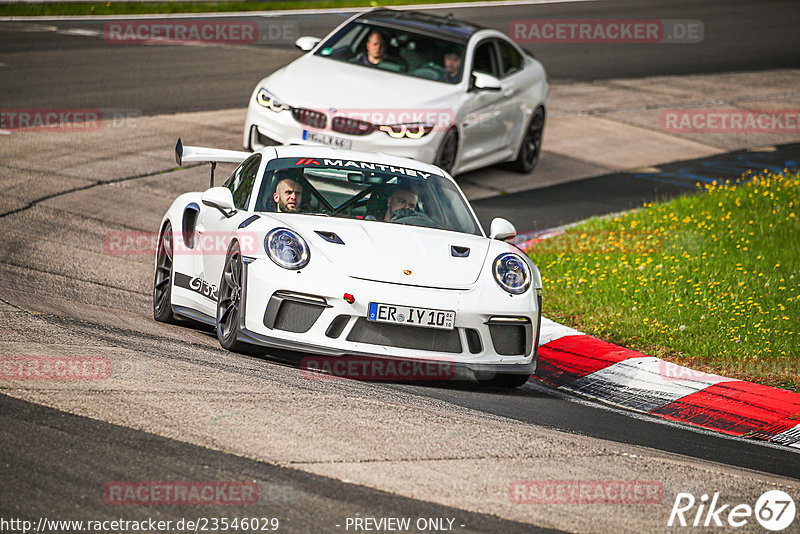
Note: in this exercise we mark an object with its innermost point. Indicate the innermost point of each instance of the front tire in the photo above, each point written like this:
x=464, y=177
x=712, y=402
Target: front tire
x=162, y=283
x=531, y=147
x=229, y=302
x=448, y=150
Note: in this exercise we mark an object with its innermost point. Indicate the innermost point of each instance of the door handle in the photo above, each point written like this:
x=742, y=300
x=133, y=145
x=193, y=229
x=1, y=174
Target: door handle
x=508, y=92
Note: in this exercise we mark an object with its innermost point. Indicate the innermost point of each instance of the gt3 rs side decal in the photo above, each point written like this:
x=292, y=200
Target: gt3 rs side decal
x=198, y=285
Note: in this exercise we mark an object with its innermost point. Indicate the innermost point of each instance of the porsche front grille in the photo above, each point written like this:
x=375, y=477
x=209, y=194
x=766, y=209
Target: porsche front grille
x=405, y=337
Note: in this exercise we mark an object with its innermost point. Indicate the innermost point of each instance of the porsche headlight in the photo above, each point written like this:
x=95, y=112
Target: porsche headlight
x=286, y=248
x=412, y=131
x=512, y=273
x=268, y=101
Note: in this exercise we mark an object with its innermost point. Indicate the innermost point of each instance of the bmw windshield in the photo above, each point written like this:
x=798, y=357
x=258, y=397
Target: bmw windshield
x=364, y=190
x=396, y=50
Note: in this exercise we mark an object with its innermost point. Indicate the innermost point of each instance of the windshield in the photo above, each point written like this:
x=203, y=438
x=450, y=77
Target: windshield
x=364, y=190
x=396, y=50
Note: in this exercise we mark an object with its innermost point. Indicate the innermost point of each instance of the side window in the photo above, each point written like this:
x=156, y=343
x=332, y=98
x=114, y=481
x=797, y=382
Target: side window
x=484, y=59
x=242, y=180
x=510, y=59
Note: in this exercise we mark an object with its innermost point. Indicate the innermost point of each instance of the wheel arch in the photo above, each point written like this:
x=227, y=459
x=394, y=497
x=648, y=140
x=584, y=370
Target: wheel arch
x=524, y=130
x=453, y=127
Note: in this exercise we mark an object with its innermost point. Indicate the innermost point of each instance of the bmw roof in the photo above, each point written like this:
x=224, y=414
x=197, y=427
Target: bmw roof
x=444, y=27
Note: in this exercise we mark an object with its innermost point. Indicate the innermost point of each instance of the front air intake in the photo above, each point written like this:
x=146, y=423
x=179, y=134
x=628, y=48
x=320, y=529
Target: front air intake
x=293, y=312
x=405, y=337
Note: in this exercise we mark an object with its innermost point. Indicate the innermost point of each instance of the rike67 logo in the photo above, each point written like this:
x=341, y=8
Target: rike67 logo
x=774, y=510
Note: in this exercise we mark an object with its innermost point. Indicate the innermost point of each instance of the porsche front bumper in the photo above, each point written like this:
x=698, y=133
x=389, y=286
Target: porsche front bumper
x=296, y=310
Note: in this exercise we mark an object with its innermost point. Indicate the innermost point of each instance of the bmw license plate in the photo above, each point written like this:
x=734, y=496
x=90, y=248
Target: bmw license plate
x=407, y=315
x=325, y=139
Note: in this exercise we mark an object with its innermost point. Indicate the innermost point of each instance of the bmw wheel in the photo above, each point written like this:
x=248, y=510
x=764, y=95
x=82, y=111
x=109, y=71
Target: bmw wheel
x=531, y=146
x=162, y=284
x=446, y=156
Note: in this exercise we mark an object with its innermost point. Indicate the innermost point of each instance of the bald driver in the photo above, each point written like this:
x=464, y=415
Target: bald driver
x=288, y=196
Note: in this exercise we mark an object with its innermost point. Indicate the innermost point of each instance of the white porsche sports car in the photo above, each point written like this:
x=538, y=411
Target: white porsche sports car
x=341, y=253
x=410, y=84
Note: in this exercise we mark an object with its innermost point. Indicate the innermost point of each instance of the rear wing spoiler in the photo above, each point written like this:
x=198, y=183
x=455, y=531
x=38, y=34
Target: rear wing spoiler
x=188, y=154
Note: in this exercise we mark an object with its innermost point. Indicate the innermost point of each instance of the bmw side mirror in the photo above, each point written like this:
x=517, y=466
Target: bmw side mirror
x=306, y=44
x=220, y=198
x=502, y=230
x=485, y=82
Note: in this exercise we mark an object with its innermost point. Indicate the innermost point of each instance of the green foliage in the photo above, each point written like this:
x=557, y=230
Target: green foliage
x=710, y=281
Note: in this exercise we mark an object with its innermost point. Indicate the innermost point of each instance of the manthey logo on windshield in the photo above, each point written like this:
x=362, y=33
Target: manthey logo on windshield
x=360, y=165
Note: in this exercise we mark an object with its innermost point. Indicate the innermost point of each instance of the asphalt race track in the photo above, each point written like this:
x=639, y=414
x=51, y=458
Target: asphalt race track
x=99, y=452
x=71, y=70
x=548, y=207
x=179, y=408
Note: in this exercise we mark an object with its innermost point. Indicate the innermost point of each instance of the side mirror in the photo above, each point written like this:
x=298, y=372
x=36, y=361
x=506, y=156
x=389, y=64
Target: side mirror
x=485, y=82
x=502, y=229
x=220, y=198
x=306, y=44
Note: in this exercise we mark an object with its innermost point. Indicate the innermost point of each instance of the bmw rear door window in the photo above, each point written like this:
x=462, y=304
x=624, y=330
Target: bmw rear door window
x=510, y=59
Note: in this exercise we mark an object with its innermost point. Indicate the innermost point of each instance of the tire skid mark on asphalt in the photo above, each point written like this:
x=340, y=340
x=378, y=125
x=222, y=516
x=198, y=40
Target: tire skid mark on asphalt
x=75, y=278
x=148, y=343
x=92, y=185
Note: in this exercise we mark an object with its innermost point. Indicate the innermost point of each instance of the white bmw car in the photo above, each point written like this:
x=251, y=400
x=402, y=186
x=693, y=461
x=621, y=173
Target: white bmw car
x=342, y=253
x=414, y=85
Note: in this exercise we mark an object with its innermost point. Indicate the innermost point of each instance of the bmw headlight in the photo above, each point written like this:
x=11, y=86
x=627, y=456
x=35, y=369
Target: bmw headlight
x=268, y=101
x=412, y=131
x=512, y=273
x=286, y=248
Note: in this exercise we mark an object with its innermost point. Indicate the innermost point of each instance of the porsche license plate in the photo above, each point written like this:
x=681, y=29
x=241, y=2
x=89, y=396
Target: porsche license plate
x=324, y=139
x=407, y=315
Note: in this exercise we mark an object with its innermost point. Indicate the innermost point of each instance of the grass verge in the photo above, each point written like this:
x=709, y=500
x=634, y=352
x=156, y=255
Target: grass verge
x=136, y=8
x=709, y=281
